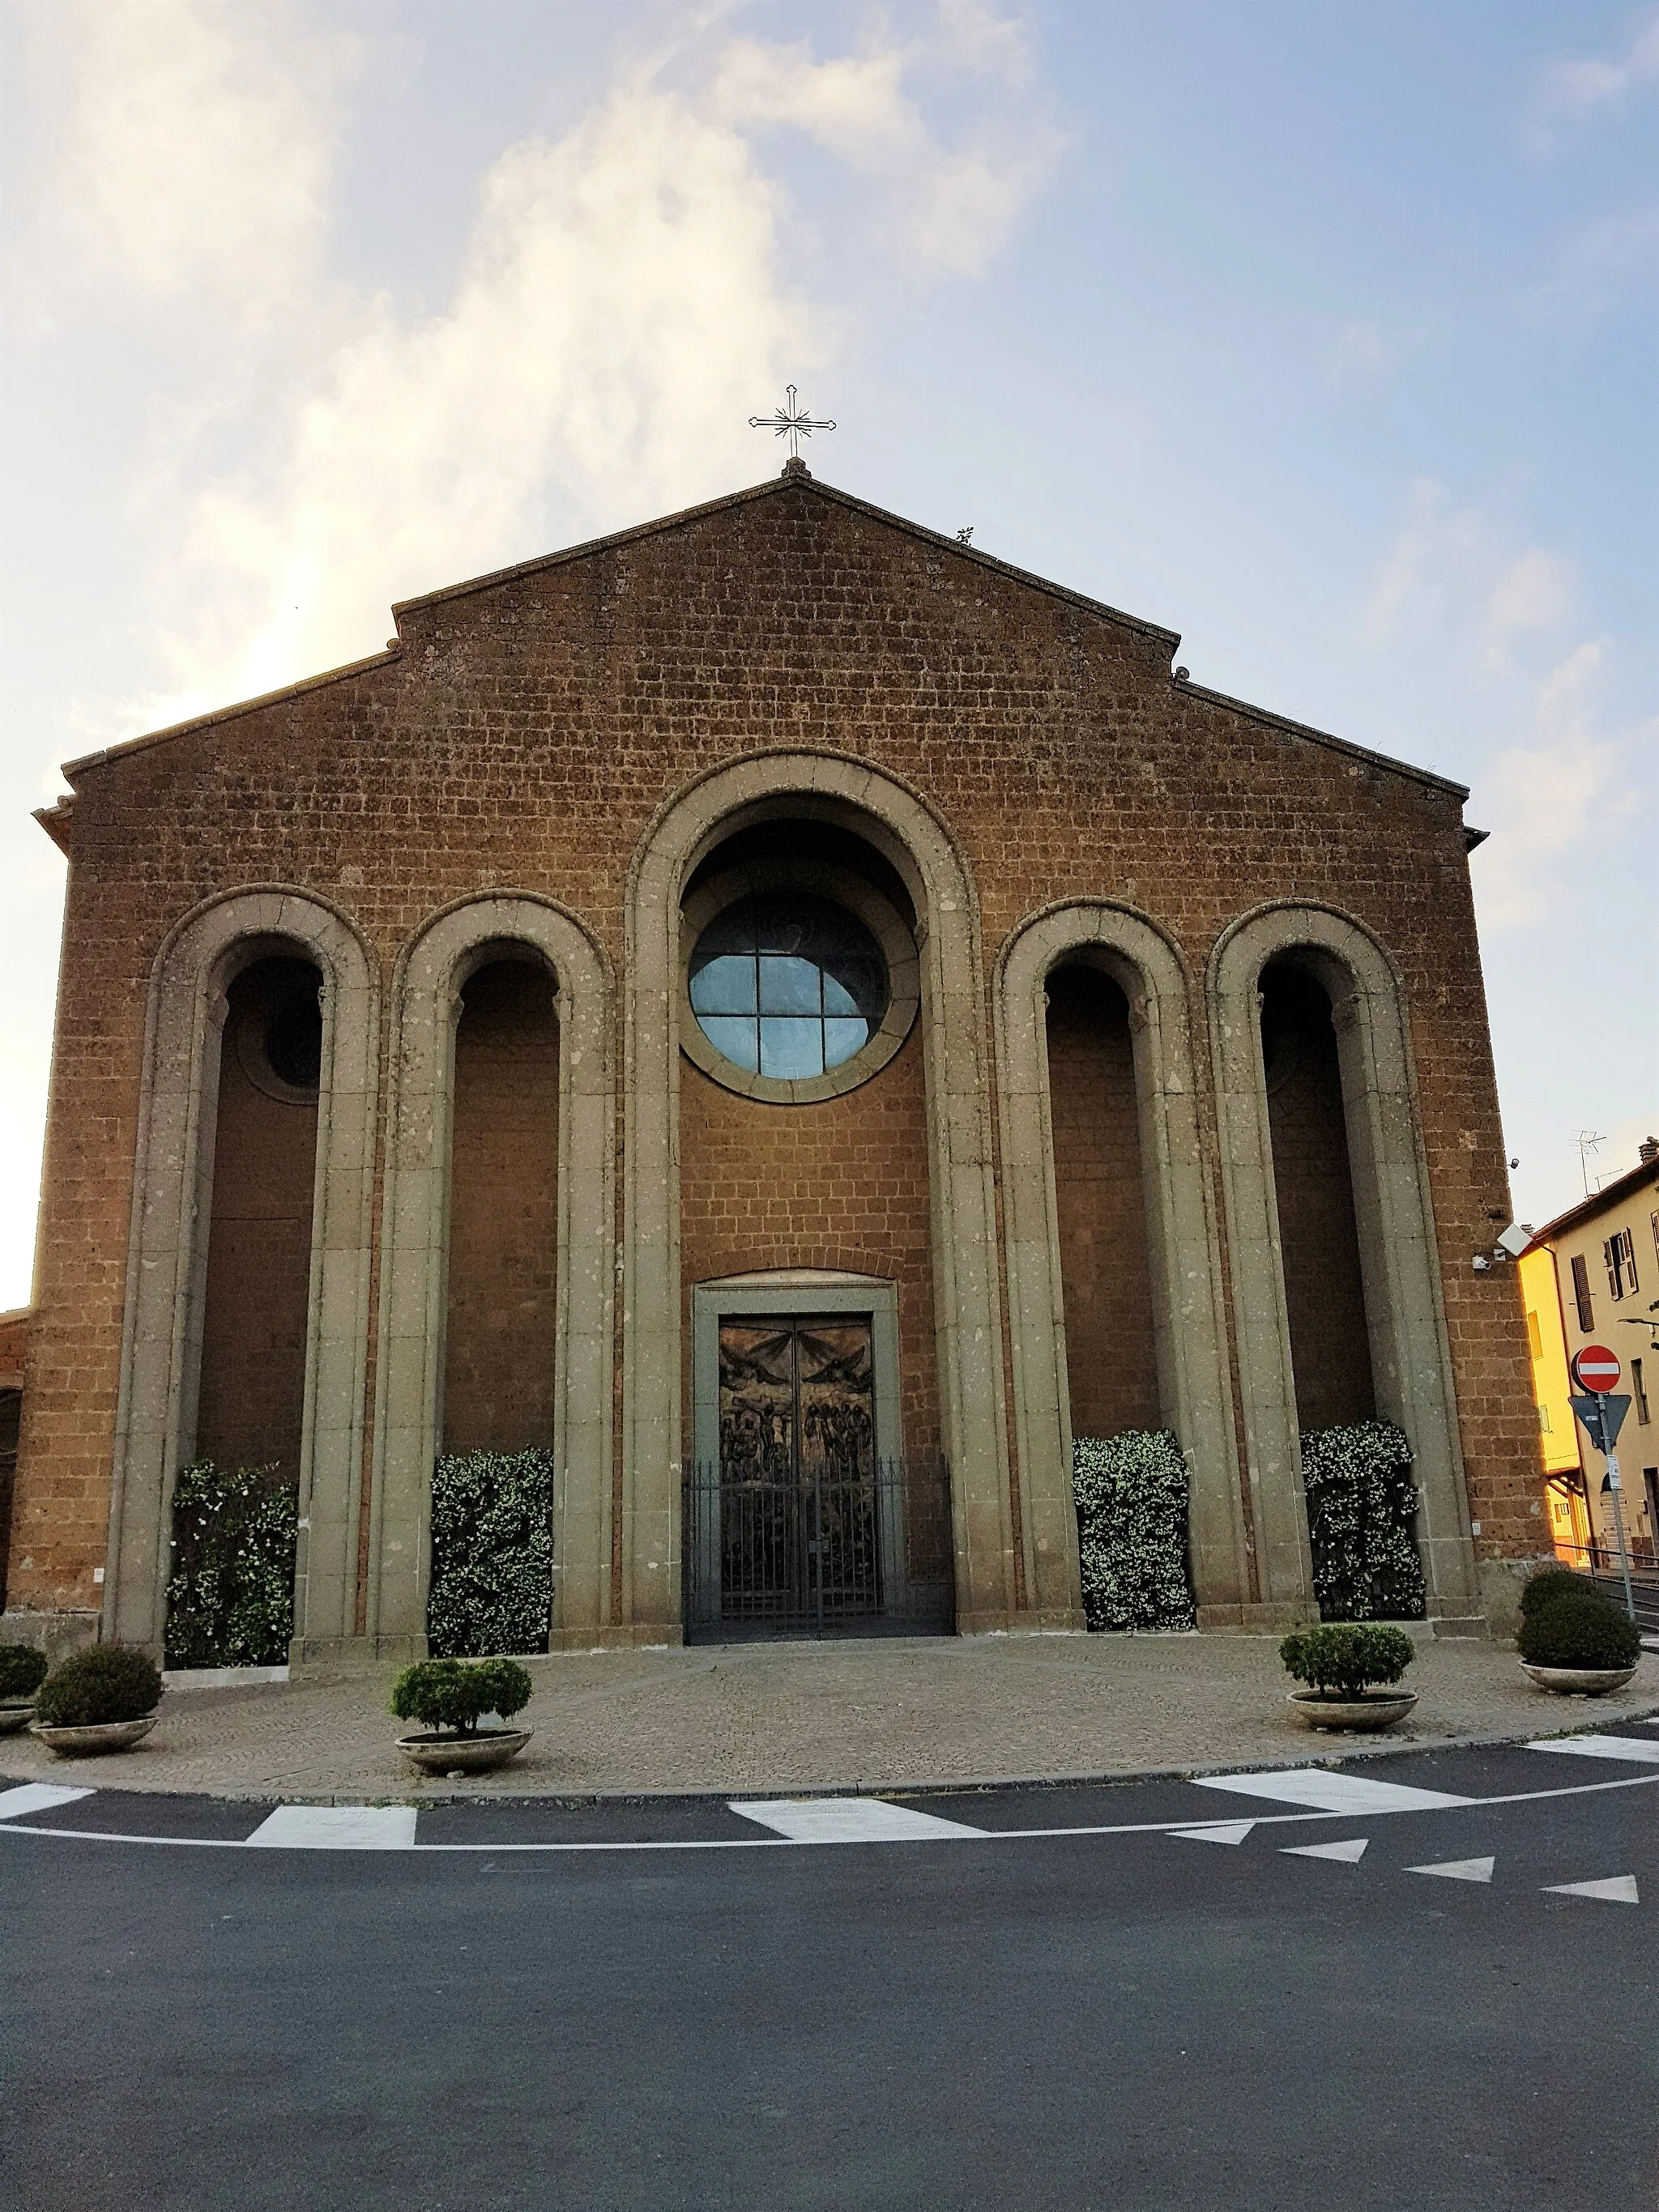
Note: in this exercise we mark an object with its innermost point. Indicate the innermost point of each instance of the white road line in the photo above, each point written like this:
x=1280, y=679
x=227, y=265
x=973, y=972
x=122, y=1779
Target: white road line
x=36, y=1798
x=851, y=1820
x=782, y=1843
x=338, y=1828
x=1350, y=1853
x=1602, y=1746
x=1618, y=1889
x=1222, y=1831
x=1459, y=1869
x=1331, y=1792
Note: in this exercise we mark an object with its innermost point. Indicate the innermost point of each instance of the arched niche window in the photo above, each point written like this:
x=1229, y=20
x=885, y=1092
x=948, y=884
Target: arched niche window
x=1313, y=1184
x=256, y=1305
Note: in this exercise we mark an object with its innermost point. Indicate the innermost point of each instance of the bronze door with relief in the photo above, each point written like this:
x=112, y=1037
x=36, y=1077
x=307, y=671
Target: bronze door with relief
x=799, y=1547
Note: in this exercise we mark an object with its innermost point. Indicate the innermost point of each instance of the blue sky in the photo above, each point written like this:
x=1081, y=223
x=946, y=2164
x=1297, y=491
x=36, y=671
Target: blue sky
x=1322, y=332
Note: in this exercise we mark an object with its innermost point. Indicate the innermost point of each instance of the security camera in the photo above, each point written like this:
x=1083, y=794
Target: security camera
x=1481, y=1264
x=1515, y=1238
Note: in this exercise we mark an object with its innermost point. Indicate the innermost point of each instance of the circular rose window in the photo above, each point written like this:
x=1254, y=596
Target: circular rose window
x=789, y=985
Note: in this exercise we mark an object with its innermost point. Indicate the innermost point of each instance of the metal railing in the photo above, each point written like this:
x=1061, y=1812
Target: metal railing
x=838, y=1550
x=1607, y=1568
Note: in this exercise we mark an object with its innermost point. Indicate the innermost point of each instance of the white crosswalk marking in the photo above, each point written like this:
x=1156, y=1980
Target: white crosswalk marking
x=338, y=1828
x=1636, y=1748
x=1459, y=1869
x=36, y=1798
x=851, y=1820
x=1223, y=1832
x=1330, y=1792
x=1349, y=1853
x=1617, y=1889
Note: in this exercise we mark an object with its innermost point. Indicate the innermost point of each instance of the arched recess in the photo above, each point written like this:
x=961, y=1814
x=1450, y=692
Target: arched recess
x=1188, y=1314
x=162, y=1340
x=1405, y=1318
x=431, y=972
x=808, y=784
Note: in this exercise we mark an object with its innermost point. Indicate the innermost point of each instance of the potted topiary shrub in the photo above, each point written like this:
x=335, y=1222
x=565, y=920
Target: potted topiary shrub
x=1339, y=1662
x=1574, y=1639
x=22, y=1670
x=449, y=1697
x=100, y=1700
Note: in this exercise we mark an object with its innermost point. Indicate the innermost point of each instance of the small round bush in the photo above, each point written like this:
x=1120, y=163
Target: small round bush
x=1580, y=1631
x=455, y=1694
x=22, y=1670
x=105, y=1683
x=1549, y=1583
x=1342, y=1658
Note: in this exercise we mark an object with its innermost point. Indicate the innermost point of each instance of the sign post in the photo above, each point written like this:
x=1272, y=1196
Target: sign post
x=1595, y=1371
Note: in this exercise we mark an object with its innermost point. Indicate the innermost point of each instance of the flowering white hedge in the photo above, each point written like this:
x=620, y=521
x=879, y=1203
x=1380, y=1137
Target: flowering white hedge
x=492, y=1554
x=1131, y=1493
x=1361, y=1507
x=230, y=1588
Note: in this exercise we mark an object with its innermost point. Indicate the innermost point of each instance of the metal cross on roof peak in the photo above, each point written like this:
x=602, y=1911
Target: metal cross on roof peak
x=790, y=421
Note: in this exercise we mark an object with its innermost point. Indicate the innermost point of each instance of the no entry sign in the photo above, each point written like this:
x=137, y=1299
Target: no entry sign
x=1595, y=1368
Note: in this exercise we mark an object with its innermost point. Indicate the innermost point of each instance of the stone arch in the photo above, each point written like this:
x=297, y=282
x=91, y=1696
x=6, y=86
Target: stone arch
x=172, y=1186
x=1411, y=1357
x=829, y=787
x=431, y=971
x=1188, y=1312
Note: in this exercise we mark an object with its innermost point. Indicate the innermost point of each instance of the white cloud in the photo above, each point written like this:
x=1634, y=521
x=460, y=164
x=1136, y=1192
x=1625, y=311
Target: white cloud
x=1596, y=264
x=622, y=309
x=1532, y=596
x=1450, y=565
x=619, y=315
x=1544, y=798
x=198, y=153
x=958, y=203
x=1367, y=349
x=1573, y=90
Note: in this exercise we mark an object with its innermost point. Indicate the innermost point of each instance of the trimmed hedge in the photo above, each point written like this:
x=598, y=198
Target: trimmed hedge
x=1579, y=1629
x=453, y=1693
x=1362, y=1505
x=1343, y=1658
x=230, y=1596
x=1131, y=1496
x=492, y=1554
x=1551, y=1582
x=106, y=1682
x=22, y=1670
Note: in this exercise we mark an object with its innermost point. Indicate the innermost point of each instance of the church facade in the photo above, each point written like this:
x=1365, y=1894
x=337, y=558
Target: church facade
x=773, y=986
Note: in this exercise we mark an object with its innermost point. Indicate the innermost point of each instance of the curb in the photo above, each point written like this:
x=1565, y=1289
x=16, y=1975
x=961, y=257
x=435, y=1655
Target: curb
x=961, y=1786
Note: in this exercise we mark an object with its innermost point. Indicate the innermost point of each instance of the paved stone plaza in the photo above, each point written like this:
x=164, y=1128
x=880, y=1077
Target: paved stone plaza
x=836, y=1716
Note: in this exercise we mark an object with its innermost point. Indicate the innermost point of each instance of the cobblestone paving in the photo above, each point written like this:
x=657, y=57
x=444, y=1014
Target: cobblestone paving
x=846, y=1715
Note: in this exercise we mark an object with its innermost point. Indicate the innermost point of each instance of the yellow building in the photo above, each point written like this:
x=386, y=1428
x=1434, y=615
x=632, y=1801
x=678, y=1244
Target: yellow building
x=1603, y=1257
x=1559, y=1437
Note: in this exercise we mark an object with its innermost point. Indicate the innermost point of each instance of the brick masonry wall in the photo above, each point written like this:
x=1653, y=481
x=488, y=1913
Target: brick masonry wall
x=503, y=1215
x=843, y=1184
x=251, y=1404
x=1319, y=1240
x=525, y=733
x=1110, y=1353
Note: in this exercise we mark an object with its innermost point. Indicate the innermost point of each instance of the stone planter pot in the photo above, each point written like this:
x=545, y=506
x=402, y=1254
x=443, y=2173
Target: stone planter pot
x=1578, y=1681
x=98, y=1736
x=13, y=1717
x=1369, y=1714
x=479, y=1753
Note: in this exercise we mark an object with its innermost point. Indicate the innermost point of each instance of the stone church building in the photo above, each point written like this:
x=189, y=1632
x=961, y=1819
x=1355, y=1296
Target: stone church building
x=773, y=989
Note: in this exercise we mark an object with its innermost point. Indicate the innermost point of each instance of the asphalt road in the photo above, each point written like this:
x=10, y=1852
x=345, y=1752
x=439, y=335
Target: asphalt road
x=1130, y=2019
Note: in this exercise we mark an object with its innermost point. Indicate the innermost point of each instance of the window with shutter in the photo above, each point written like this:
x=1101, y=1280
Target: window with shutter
x=1581, y=1292
x=1628, y=1239
x=1613, y=1259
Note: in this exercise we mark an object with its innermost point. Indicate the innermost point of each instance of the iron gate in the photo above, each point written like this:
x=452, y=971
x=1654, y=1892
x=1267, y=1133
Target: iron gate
x=832, y=1550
